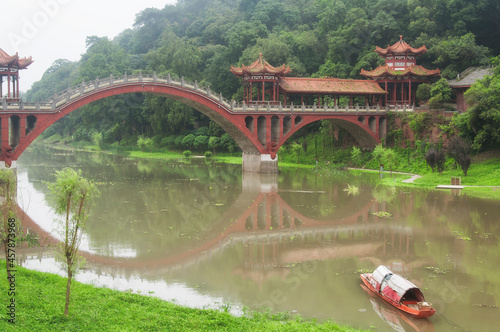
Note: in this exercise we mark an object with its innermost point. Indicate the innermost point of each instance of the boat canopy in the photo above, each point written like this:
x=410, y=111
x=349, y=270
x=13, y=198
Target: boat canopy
x=395, y=286
x=380, y=273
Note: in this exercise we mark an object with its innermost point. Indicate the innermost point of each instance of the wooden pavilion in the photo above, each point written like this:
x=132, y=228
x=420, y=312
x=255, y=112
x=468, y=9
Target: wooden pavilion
x=9, y=69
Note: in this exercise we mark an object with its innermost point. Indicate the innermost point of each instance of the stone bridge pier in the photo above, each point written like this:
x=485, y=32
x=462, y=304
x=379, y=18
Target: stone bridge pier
x=259, y=163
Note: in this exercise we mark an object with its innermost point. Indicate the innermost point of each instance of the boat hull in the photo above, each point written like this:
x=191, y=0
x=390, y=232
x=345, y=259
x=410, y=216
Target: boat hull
x=427, y=312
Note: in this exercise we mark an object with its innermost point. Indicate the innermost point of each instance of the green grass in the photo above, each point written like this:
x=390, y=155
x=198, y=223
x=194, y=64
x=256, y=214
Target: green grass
x=40, y=304
x=485, y=175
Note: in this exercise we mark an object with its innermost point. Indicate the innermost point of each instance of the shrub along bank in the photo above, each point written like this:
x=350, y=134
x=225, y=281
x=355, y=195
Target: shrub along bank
x=39, y=304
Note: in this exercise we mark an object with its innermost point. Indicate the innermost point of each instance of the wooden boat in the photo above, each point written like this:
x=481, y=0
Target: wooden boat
x=398, y=292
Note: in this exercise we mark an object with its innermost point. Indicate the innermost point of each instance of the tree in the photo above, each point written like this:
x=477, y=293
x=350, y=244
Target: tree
x=460, y=150
x=482, y=120
x=441, y=91
x=8, y=229
x=355, y=155
x=378, y=154
x=435, y=159
x=72, y=196
x=424, y=92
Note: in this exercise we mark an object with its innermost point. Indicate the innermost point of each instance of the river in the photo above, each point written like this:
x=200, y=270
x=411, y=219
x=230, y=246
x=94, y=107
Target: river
x=206, y=235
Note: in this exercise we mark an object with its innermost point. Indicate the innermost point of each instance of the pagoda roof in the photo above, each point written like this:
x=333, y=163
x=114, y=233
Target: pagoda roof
x=329, y=86
x=13, y=61
x=400, y=47
x=416, y=70
x=261, y=66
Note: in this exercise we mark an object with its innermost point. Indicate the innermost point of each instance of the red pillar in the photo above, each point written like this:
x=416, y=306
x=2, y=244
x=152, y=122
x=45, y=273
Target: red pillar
x=250, y=96
x=5, y=132
x=17, y=85
x=268, y=131
x=263, y=91
x=386, y=95
x=402, y=93
x=22, y=128
x=8, y=85
x=409, y=93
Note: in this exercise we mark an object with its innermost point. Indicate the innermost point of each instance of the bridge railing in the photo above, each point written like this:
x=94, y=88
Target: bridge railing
x=71, y=93
x=272, y=108
x=83, y=88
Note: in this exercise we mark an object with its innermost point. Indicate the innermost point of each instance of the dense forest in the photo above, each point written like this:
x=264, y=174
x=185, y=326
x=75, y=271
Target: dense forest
x=201, y=39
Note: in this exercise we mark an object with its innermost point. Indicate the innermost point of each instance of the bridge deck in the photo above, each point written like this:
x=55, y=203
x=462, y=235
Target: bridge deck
x=82, y=89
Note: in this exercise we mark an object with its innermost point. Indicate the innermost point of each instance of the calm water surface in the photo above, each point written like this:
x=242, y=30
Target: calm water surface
x=205, y=235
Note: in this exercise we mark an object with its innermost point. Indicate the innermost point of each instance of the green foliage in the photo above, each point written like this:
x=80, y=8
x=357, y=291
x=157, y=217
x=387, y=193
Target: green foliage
x=72, y=196
x=97, y=139
x=208, y=154
x=424, y=92
x=481, y=122
x=187, y=153
x=145, y=143
x=442, y=89
x=356, y=156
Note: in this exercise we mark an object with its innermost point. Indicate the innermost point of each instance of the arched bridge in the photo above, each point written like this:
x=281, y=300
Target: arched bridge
x=259, y=130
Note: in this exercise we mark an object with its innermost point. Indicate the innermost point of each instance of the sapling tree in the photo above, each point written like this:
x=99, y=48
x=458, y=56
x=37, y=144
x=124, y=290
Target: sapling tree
x=461, y=151
x=8, y=227
x=72, y=196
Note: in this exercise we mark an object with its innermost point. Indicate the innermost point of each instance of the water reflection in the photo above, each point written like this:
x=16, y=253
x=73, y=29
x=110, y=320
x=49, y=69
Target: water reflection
x=295, y=241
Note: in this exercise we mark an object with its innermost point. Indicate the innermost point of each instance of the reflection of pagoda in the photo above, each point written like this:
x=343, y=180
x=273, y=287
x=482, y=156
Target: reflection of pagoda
x=401, y=75
x=9, y=68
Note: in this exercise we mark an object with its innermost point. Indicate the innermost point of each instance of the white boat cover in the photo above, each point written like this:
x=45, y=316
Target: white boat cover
x=395, y=286
x=380, y=273
x=400, y=285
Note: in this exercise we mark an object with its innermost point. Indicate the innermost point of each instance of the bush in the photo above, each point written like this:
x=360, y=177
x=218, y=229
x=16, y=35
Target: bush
x=97, y=139
x=188, y=141
x=145, y=143
x=460, y=150
x=424, y=92
x=178, y=141
x=208, y=154
x=187, y=153
x=436, y=102
x=201, y=143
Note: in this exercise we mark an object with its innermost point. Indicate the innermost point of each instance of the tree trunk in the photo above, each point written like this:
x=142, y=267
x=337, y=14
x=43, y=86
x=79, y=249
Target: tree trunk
x=68, y=291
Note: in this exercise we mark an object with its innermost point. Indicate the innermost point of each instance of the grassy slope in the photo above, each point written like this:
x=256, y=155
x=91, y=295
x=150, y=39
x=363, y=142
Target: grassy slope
x=40, y=305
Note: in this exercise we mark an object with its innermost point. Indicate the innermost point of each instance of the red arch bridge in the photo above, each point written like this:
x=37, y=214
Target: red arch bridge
x=259, y=130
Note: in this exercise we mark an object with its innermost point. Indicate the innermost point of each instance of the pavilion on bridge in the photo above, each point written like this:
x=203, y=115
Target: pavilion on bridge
x=9, y=68
x=395, y=83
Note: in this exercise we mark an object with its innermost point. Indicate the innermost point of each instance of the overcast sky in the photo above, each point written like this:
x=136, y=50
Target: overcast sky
x=49, y=30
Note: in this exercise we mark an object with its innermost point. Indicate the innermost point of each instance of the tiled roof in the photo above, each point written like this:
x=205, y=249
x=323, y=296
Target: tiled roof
x=470, y=76
x=386, y=71
x=329, y=86
x=400, y=47
x=261, y=66
x=14, y=61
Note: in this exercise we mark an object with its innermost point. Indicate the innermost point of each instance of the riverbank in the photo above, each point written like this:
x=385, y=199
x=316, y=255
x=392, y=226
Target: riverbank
x=39, y=303
x=482, y=180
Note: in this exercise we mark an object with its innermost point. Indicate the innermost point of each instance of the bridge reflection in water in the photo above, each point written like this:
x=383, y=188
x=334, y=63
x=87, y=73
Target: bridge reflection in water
x=273, y=234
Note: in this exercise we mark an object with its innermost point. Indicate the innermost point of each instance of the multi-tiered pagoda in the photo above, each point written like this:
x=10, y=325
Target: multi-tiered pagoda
x=9, y=69
x=262, y=77
x=401, y=75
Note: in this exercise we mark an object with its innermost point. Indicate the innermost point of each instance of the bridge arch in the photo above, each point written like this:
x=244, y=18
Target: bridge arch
x=364, y=134
x=212, y=108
